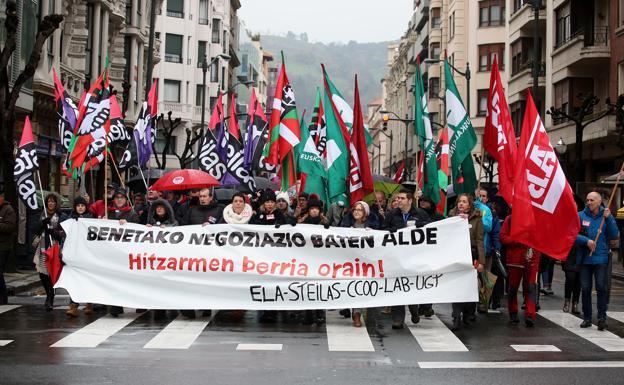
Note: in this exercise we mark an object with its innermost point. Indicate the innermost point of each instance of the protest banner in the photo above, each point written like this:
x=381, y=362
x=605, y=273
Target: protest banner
x=266, y=268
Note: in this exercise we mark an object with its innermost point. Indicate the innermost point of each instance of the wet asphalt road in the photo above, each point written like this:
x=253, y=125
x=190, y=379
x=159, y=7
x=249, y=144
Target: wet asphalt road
x=148, y=351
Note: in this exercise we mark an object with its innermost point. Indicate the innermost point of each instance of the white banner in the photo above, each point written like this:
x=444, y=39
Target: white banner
x=260, y=267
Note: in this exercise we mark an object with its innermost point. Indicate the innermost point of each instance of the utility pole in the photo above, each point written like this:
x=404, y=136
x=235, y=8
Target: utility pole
x=150, y=47
x=536, y=51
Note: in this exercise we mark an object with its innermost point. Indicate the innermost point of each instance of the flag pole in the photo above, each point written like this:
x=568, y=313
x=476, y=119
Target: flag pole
x=481, y=162
x=45, y=209
x=123, y=184
x=615, y=186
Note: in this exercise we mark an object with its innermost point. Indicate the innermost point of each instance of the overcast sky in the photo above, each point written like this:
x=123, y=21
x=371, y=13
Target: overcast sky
x=329, y=20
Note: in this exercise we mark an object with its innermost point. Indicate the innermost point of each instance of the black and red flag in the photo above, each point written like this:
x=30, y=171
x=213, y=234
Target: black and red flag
x=26, y=164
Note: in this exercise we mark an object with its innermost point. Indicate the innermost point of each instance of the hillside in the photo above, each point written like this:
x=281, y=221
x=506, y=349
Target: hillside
x=342, y=61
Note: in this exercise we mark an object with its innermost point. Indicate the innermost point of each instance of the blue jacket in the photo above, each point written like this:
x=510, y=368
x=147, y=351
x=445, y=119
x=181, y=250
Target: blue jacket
x=589, y=228
x=486, y=216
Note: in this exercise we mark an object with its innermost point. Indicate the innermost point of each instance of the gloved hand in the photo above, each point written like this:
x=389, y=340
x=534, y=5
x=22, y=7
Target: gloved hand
x=277, y=225
x=326, y=226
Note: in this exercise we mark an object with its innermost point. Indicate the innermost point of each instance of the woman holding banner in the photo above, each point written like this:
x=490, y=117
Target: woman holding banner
x=79, y=211
x=238, y=211
x=466, y=209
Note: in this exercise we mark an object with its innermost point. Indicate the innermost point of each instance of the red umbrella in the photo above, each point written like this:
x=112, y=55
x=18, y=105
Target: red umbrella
x=53, y=262
x=185, y=179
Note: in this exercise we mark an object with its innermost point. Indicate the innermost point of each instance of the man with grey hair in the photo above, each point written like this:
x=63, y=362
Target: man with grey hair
x=593, y=256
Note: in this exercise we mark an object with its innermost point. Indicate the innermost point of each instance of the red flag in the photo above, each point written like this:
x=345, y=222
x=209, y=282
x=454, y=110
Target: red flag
x=233, y=128
x=499, y=138
x=421, y=168
x=53, y=262
x=544, y=213
x=398, y=176
x=26, y=164
x=152, y=100
x=217, y=114
x=442, y=155
x=360, y=175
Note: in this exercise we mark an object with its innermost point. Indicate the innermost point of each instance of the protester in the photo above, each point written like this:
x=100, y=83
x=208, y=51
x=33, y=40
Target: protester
x=497, y=252
x=336, y=212
x=547, y=273
x=593, y=256
x=268, y=213
x=205, y=212
x=282, y=205
x=465, y=311
x=161, y=214
x=428, y=205
x=403, y=216
x=313, y=214
x=379, y=205
x=572, y=285
x=302, y=204
x=360, y=217
x=98, y=208
x=237, y=212
x=8, y=226
x=79, y=211
x=186, y=203
x=522, y=265
x=49, y=234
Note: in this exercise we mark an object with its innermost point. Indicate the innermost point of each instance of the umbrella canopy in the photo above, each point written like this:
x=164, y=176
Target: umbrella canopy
x=185, y=179
x=53, y=262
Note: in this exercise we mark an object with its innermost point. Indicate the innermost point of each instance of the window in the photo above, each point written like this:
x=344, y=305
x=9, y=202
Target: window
x=487, y=52
x=172, y=91
x=214, y=72
x=175, y=8
x=491, y=13
x=213, y=102
x=435, y=51
x=201, y=53
x=522, y=55
x=436, y=19
x=198, y=94
x=159, y=143
x=451, y=25
x=482, y=98
x=173, y=48
x=223, y=78
x=216, y=30
x=203, y=12
x=569, y=94
x=224, y=41
x=516, y=110
x=562, y=26
x=434, y=88
x=434, y=117
x=620, y=89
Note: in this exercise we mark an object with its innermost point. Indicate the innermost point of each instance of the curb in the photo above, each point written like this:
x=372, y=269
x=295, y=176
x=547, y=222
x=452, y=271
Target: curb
x=23, y=283
x=618, y=276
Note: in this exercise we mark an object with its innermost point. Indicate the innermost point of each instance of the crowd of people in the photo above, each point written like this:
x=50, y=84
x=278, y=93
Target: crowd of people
x=492, y=248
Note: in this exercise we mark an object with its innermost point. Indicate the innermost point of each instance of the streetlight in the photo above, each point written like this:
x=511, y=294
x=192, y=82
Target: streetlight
x=405, y=121
x=465, y=74
x=536, y=4
x=378, y=146
x=390, y=136
x=246, y=83
x=561, y=147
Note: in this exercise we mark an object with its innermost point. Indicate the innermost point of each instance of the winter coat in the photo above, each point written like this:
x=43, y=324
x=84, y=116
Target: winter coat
x=396, y=220
x=589, y=228
x=125, y=212
x=167, y=220
x=98, y=209
x=8, y=225
x=372, y=222
x=274, y=218
x=86, y=214
x=476, y=234
x=200, y=214
x=487, y=219
x=515, y=253
x=229, y=216
x=319, y=220
x=51, y=233
x=494, y=244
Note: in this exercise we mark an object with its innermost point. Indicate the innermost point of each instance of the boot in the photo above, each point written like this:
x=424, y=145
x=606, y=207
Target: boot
x=73, y=310
x=357, y=320
x=566, y=305
x=575, y=309
x=345, y=313
x=88, y=309
x=456, y=324
x=49, y=289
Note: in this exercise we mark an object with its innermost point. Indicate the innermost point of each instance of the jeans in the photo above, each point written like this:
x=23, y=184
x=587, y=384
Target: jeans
x=572, y=285
x=4, y=255
x=398, y=312
x=549, y=271
x=599, y=274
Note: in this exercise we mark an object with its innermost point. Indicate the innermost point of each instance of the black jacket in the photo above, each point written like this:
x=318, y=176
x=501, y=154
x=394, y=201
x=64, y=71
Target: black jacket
x=8, y=226
x=126, y=212
x=198, y=215
x=395, y=220
x=167, y=220
x=275, y=218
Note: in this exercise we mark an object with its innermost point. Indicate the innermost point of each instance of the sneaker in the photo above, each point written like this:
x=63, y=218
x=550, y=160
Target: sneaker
x=346, y=313
x=602, y=324
x=456, y=324
x=397, y=325
x=357, y=320
x=429, y=312
x=513, y=318
x=586, y=324
x=529, y=322
x=415, y=319
x=88, y=309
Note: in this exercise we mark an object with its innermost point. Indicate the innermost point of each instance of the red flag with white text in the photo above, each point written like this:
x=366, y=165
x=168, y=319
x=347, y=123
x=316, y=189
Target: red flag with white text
x=499, y=138
x=360, y=175
x=398, y=176
x=544, y=214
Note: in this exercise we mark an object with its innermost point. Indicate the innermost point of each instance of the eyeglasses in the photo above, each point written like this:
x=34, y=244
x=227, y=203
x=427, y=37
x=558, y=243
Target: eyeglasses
x=357, y=210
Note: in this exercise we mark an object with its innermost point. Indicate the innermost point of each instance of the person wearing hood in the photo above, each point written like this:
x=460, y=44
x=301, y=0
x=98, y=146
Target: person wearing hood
x=237, y=212
x=50, y=234
x=593, y=256
x=161, y=214
x=79, y=211
x=205, y=212
x=314, y=214
x=268, y=213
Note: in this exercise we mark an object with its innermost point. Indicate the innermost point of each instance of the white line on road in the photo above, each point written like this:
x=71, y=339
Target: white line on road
x=6, y=308
x=179, y=334
x=604, y=339
x=259, y=347
x=342, y=336
x=616, y=315
x=5, y=342
x=535, y=348
x=433, y=336
x=521, y=364
x=96, y=332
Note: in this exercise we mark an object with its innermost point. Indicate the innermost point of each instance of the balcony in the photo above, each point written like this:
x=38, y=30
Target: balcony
x=173, y=58
x=178, y=110
x=421, y=16
x=523, y=18
x=582, y=48
x=176, y=14
x=522, y=77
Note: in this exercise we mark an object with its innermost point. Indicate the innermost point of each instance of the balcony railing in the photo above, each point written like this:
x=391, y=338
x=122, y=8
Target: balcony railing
x=518, y=5
x=177, y=14
x=203, y=21
x=173, y=58
x=516, y=69
x=598, y=36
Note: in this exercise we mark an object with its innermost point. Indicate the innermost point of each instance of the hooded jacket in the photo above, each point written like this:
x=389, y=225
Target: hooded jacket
x=167, y=220
x=589, y=228
x=198, y=215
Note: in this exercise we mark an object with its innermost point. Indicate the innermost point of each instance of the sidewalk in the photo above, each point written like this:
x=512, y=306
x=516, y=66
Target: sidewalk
x=618, y=270
x=22, y=282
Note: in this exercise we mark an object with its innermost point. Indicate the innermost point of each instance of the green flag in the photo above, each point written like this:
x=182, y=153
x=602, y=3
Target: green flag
x=431, y=185
x=462, y=138
x=337, y=150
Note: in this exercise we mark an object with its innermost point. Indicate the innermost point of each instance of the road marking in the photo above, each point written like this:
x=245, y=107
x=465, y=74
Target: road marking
x=616, y=315
x=535, y=348
x=433, y=336
x=5, y=342
x=96, y=332
x=604, y=339
x=492, y=311
x=6, y=308
x=178, y=334
x=343, y=337
x=521, y=364
x=275, y=347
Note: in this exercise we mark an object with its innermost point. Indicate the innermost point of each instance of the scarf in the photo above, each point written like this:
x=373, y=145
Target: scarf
x=231, y=217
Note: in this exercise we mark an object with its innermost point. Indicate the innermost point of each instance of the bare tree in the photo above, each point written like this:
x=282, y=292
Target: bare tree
x=582, y=118
x=8, y=95
x=167, y=127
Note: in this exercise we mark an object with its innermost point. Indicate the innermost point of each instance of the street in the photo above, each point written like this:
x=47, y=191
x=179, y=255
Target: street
x=41, y=347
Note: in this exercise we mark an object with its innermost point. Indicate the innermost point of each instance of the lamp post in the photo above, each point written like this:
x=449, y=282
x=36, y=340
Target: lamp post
x=378, y=147
x=405, y=121
x=465, y=74
x=536, y=53
x=390, y=136
x=246, y=83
